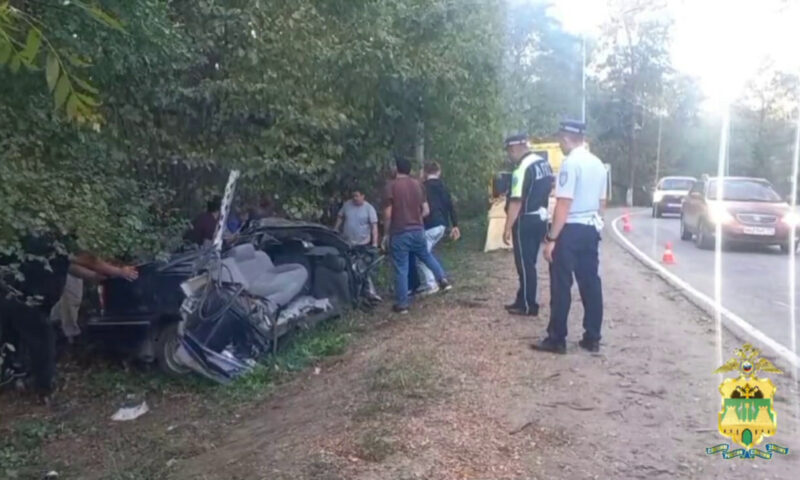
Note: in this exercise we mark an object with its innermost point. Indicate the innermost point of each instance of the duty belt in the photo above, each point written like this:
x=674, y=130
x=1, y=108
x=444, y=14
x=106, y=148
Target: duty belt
x=542, y=213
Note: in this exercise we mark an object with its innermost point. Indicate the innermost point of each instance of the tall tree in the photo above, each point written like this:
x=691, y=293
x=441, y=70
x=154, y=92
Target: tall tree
x=633, y=64
x=764, y=121
x=306, y=97
x=542, y=71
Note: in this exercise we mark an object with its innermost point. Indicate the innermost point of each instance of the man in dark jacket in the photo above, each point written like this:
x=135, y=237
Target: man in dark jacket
x=442, y=215
x=25, y=305
x=205, y=225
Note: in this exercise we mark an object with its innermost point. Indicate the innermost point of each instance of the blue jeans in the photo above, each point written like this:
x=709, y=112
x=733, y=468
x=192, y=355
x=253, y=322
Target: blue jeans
x=403, y=244
x=432, y=237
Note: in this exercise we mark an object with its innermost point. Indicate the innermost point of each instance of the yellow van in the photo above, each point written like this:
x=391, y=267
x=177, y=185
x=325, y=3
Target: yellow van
x=500, y=184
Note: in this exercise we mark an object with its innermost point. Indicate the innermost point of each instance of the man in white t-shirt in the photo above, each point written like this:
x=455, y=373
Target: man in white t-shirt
x=573, y=240
x=358, y=222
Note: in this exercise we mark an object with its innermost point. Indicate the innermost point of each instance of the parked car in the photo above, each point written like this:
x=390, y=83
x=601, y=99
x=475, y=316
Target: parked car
x=141, y=318
x=750, y=211
x=669, y=194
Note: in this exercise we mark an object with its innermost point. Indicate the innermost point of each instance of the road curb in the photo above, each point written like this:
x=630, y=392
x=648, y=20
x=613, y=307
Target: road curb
x=703, y=301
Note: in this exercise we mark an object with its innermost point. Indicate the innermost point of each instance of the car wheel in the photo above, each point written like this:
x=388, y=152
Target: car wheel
x=703, y=238
x=166, y=345
x=656, y=210
x=787, y=248
x=685, y=233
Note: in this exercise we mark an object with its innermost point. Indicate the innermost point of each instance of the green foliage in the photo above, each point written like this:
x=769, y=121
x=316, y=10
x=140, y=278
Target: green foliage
x=305, y=97
x=71, y=94
x=21, y=446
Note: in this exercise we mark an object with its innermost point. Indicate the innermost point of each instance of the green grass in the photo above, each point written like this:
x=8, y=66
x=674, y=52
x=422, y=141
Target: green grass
x=20, y=447
x=300, y=351
x=107, y=380
x=294, y=354
x=393, y=386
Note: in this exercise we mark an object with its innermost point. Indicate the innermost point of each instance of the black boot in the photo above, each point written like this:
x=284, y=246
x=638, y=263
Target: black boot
x=548, y=345
x=590, y=345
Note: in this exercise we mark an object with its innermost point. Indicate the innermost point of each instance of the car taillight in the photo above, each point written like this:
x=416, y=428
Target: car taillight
x=101, y=296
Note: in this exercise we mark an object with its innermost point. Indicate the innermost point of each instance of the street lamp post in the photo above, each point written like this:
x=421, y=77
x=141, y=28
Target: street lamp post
x=658, y=147
x=583, y=78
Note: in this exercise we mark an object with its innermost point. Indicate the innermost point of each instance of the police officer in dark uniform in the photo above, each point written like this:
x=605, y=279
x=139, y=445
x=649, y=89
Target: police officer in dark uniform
x=572, y=243
x=526, y=219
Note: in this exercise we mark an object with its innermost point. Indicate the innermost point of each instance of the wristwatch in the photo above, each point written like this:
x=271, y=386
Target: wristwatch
x=549, y=239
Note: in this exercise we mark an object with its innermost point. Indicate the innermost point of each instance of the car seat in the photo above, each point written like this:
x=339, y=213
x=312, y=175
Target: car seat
x=254, y=270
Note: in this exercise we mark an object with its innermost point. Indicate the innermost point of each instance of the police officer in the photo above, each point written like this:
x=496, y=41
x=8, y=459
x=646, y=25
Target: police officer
x=572, y=243
x=526, y=219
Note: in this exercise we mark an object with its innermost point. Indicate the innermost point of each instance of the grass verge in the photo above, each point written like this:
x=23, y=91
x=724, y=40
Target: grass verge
x=394, y=386
x=20, y=447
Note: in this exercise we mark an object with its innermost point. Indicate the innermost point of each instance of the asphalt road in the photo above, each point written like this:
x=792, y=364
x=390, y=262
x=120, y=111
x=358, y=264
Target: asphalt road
x=755, y=280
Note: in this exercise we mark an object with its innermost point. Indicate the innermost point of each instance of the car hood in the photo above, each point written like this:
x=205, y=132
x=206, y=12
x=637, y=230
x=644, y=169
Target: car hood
x=676, y=193
x=767, y=208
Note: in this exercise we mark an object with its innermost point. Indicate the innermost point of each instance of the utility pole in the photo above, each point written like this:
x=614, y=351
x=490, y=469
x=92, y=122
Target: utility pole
x=583, y=78
x=658, y=147
x=728, y=153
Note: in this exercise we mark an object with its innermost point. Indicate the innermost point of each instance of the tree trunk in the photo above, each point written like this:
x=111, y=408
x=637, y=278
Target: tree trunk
x=419, y=145
x=633, y=105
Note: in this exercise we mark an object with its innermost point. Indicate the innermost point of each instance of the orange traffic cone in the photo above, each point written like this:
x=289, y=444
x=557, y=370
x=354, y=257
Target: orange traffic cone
x=626, y=223
x=668, y=257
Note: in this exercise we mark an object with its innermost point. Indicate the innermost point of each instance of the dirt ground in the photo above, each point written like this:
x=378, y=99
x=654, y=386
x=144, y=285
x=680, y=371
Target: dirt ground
x=453, y=391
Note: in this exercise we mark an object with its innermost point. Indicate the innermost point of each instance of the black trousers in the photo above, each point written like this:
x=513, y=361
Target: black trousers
x=576, y=253
x=30, y=330
x=528, y=231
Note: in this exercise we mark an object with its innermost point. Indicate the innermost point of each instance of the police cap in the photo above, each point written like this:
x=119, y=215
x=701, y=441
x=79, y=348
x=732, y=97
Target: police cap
x=517, y=139
x=572, y=126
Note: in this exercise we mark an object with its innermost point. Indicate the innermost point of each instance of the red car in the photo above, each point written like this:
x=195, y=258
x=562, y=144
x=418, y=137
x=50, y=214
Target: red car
x=750, y=212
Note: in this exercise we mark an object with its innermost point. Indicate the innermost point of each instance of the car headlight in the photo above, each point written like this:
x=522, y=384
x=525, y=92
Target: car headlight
x=658, y=196
x=719, y=214
x=792, y=219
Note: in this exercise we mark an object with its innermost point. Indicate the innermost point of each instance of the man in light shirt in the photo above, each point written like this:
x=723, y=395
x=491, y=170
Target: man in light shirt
x=358, y=222
x=573, y=240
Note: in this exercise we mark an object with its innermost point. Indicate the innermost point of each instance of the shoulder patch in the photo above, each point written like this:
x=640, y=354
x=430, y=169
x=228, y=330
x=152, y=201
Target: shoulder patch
x=563, y=176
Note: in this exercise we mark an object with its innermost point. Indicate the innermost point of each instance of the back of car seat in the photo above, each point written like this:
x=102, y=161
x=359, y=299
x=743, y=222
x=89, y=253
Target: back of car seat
x=331, y=279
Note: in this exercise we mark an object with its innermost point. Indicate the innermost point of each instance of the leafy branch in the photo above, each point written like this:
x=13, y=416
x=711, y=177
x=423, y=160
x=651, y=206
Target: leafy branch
x=72, y=94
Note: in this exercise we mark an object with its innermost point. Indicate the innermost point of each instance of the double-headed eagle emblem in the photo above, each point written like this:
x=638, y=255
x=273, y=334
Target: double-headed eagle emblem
x=747, y=415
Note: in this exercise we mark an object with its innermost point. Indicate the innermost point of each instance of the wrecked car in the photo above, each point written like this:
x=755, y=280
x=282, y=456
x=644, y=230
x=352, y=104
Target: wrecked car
x=216, y=312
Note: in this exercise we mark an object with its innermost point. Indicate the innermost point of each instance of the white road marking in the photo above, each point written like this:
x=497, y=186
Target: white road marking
x=784, y=305
x=730, y=318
